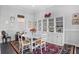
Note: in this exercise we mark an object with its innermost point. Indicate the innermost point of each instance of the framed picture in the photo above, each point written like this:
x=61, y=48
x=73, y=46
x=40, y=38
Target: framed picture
x=12, y=19
x=75, y=19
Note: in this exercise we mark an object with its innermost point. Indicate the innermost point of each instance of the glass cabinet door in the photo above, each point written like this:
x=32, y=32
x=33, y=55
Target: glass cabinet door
x=45, y=25
x=59, y=24
x=51, y=25
x=39, y=25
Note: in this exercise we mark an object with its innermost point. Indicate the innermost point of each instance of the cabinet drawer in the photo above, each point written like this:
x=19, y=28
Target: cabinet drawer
x=59, y=39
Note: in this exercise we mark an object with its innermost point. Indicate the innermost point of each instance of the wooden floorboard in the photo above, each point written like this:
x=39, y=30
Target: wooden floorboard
x=68, y=49
x=6, y=48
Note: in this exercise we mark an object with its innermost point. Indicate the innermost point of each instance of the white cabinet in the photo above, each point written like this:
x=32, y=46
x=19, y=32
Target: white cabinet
x=59, y=38
x=54, y=29
x=51, y=38
x=56, y=38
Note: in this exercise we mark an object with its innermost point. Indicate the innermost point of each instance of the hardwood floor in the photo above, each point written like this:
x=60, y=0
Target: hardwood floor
x=6, y=48
x=68, y=49
x=77, y=50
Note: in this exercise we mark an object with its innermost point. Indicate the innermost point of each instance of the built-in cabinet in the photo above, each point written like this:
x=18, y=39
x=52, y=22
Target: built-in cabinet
x=54, y=29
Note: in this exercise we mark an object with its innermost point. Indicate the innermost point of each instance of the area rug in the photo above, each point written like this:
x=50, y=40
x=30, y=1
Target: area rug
x=50, y=49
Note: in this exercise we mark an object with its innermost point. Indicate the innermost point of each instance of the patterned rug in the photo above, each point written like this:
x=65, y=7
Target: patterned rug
x=50, y=49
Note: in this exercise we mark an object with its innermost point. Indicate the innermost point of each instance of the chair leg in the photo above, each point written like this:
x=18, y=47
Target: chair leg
x=3, y=40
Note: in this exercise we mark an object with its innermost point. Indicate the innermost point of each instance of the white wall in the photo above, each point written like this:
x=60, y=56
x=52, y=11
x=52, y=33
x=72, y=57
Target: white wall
x=6, y=12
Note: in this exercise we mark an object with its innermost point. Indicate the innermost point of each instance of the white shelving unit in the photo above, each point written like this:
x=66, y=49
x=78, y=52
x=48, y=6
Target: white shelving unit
x=54, y=28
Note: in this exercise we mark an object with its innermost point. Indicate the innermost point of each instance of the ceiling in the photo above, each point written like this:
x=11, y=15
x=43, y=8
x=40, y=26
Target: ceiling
x=31, y=8
x=34, y=7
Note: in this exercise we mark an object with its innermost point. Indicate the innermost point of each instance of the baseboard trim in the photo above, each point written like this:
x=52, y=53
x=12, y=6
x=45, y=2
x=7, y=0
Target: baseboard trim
x=72, y=44
x=69, y=43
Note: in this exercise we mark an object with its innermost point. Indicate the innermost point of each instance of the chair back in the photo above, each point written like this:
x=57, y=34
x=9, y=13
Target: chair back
x=3, y=33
